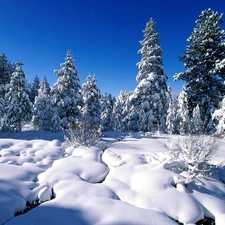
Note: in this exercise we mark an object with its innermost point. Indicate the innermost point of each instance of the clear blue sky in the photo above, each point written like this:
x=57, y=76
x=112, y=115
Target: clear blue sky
x=103, y=35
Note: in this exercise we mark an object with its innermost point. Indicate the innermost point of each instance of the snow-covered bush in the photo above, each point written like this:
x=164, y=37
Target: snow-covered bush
x=82, y=132
x=193, y=158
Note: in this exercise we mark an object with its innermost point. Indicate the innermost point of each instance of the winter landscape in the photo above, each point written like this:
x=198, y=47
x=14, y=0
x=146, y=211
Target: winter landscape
x=125, y=178
x=70, y=155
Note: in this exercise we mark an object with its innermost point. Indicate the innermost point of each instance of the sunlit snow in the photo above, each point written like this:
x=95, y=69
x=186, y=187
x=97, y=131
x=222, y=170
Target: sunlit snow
x=123, y=180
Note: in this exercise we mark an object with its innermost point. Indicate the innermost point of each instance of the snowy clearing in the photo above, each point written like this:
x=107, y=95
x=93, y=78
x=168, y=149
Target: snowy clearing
x=124, y=179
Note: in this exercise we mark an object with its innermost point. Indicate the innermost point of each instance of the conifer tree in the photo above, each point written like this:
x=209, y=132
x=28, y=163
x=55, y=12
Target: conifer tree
x=91, y=97
x=151, y=52
x=172, y=120
x=2, y=112
x=6, y=70
x=204, y=59
x=219, y=118
x=107, y=102
x=34, y=88
x=183, y=116
x=66, y=91
x=19, y=108
x=45, y=115
x=152, y=94
x=121, y=112
x=196, y=121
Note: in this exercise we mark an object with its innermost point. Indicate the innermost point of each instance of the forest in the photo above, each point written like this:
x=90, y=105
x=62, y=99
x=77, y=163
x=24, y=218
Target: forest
x=199, y=108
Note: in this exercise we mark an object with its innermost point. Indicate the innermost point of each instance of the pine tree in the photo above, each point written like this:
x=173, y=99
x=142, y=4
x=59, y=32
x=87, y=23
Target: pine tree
x=151, y=52
x=152, y=94
x=34, y=89
x=196, y=121
x=172, y=120
x=183, y=116
x=219, y=118
x=121, y=112
x=107, y=101
x=2, y=112
x=91, y=97
x=6, y=70
x=204, y=59
x=44, y=86
x=45, y=116
x=66, y=91
x=19, y=108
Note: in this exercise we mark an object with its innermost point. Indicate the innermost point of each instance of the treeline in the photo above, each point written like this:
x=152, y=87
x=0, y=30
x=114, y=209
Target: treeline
x=149, y=108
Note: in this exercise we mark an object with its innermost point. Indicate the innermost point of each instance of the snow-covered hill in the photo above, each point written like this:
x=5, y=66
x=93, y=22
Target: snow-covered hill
x=123, y=180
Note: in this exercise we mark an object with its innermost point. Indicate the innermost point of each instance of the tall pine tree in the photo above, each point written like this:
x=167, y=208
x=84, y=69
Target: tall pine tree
x=151, y=98
x=66, y=91
x=204, y=59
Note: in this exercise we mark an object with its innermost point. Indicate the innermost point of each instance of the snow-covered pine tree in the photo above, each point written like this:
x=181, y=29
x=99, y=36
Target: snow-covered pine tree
x=91, y=96
x=66, y=91
x=34, y=88
x=6, y=70
x=219, y=118
x=45, y=116
x=196, y=121
x=19, y=109
x=172, y=120
x=204, y=59
x=44, y=86
x=152, y=94
x=183, y=117
x=2, y=111
x=120, y=112
x=107, y=102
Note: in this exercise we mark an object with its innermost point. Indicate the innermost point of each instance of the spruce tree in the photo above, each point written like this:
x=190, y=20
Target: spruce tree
x=121, y=112
x=171, y=119
x=183, y=116
x=91, y=97
x=6, y=70
x=66, y=91
x=45, y=116
x=34, y=88
x=2, y=112
x=107, y=101
x=204, y=59
x=152, y=94
x=19, y=109
x=196, y=121
x=151, y=52
x=219, y=118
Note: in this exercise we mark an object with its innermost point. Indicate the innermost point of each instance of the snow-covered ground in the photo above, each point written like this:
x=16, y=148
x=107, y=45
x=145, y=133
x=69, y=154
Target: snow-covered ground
x=123, y=180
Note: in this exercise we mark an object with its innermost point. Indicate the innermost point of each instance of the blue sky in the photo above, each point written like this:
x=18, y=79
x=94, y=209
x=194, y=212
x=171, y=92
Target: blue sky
x=103, y=36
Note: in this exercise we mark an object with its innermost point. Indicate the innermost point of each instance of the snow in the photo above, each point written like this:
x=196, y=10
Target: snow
x=123, y=179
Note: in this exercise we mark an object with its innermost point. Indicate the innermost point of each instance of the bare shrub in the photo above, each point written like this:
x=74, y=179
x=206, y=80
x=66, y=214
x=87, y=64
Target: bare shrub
x=82, y=132
x=195, y=152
